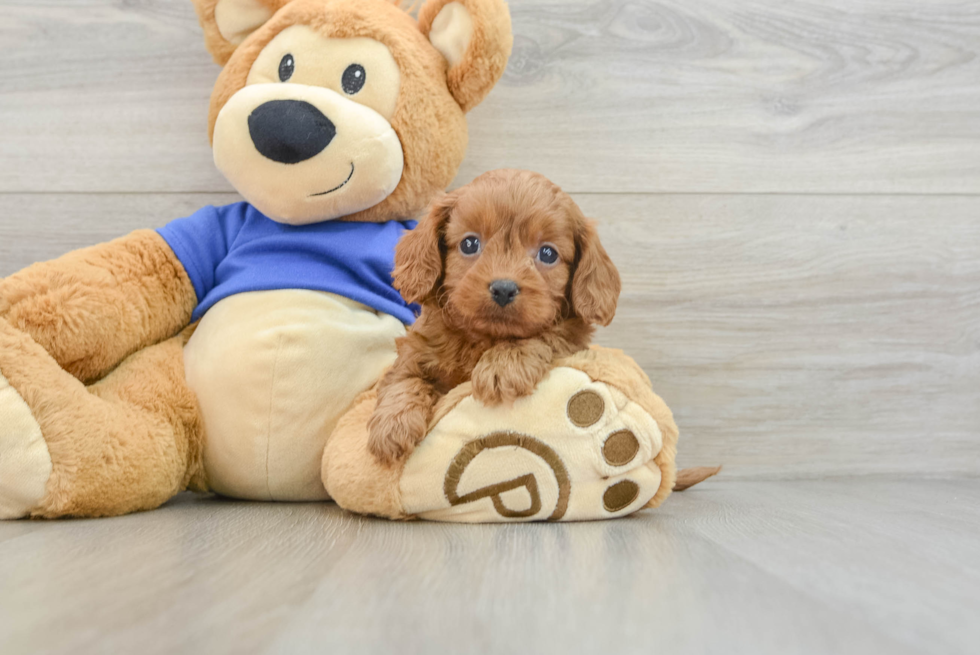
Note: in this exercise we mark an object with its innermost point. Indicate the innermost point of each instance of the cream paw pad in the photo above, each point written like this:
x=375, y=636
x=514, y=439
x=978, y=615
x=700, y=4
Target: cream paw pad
x=578, y=449
x=25, y=464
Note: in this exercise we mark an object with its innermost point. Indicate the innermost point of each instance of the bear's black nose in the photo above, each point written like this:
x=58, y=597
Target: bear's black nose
x=290, y=131
x=503, y=292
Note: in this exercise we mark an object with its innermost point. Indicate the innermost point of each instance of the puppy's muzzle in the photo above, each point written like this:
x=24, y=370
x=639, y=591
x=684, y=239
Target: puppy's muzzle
x=290, y=131
x=504, y=292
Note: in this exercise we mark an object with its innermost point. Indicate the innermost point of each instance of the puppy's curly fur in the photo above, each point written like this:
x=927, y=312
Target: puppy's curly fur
x=510, y=276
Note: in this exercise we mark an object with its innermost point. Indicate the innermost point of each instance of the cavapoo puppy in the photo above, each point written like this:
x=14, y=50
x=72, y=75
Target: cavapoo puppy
x=510, y=276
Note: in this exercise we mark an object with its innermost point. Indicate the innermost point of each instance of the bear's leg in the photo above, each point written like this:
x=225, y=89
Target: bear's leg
x=127, y=443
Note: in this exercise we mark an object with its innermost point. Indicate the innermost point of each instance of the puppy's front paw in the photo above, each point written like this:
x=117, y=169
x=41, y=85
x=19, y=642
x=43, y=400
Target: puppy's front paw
x=393, y=436
x=494, y=384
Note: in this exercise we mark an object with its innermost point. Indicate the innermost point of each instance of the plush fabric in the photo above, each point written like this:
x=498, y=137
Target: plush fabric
x=351, y=475
x=489, y=46
x=93, y=307
x=614, y=368
x=322, y=62
x=238, y=19
x=127, y=443
x=273, y=372
x=362, y=165
x=530, y=461
x=235, y=249
x=451, y=32
x=25, y=464
x=429, y=122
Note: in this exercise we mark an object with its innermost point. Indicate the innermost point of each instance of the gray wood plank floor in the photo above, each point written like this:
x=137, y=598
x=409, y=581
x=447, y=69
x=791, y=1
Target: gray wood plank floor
x=831, y=566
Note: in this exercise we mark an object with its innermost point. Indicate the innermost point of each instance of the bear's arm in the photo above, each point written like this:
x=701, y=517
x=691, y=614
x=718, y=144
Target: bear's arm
x=93, y=307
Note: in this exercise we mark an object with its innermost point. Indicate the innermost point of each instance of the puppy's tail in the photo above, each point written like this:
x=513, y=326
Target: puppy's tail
x=689, y=477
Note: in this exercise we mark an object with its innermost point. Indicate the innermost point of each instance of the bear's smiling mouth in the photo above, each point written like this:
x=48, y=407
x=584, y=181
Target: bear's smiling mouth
x=339, y=186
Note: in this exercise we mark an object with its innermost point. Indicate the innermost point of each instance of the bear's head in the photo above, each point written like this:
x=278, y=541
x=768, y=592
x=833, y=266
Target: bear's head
x=348, y=109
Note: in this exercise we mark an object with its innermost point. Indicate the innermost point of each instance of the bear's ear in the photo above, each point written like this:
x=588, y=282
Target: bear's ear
x=227, y=23
x=475, y=38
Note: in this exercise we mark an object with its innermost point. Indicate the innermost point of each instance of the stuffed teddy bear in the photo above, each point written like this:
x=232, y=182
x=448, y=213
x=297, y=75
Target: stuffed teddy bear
x=236, y=350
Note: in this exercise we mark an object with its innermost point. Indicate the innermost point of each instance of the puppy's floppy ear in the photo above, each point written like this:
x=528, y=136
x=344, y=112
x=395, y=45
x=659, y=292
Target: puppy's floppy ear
x=418, y=256
x=227, y=23
x=595, y=282
x=475, y=38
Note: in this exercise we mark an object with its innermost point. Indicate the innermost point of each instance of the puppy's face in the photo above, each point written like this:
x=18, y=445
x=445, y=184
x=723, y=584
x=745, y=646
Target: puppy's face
x=508, y=256
x=507, y=263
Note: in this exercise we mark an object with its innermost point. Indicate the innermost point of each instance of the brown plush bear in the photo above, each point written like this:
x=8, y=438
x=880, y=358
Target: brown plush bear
x=235, y=350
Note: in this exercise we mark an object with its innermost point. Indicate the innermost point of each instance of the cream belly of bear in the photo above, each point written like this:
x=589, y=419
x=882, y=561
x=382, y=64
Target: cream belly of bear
x=273, y=372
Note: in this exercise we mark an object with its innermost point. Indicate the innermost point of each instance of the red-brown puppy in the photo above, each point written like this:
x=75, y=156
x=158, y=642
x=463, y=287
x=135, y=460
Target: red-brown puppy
x=510, y=276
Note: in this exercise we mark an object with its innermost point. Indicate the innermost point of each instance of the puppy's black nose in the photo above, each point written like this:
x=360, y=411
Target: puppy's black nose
x=290, y=131
x=503, y=292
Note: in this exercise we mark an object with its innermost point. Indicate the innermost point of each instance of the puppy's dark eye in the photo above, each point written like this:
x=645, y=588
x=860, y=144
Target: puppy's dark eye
x=353, y=79
x=470, y=245
x=547, y=254
x=286, y=67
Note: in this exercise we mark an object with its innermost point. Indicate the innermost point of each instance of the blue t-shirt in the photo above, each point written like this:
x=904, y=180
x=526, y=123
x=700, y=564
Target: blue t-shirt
x=234, y=249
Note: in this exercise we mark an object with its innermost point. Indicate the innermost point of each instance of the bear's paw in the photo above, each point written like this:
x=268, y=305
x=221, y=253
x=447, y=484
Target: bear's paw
x=577, y=449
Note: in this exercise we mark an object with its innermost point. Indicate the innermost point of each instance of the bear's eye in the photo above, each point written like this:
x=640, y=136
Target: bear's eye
x=286, y=68
x=353, y=79
x=547, y=254
x=470, y=245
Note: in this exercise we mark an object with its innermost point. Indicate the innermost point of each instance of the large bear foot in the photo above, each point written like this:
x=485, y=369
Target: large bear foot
x=126, y=443
x=577, y=449
x=592, y=442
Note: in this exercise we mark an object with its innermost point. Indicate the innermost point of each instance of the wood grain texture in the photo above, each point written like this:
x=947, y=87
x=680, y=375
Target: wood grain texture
x=791, y=335
x=601, y=95
x=876, y=566
x=805, y=335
